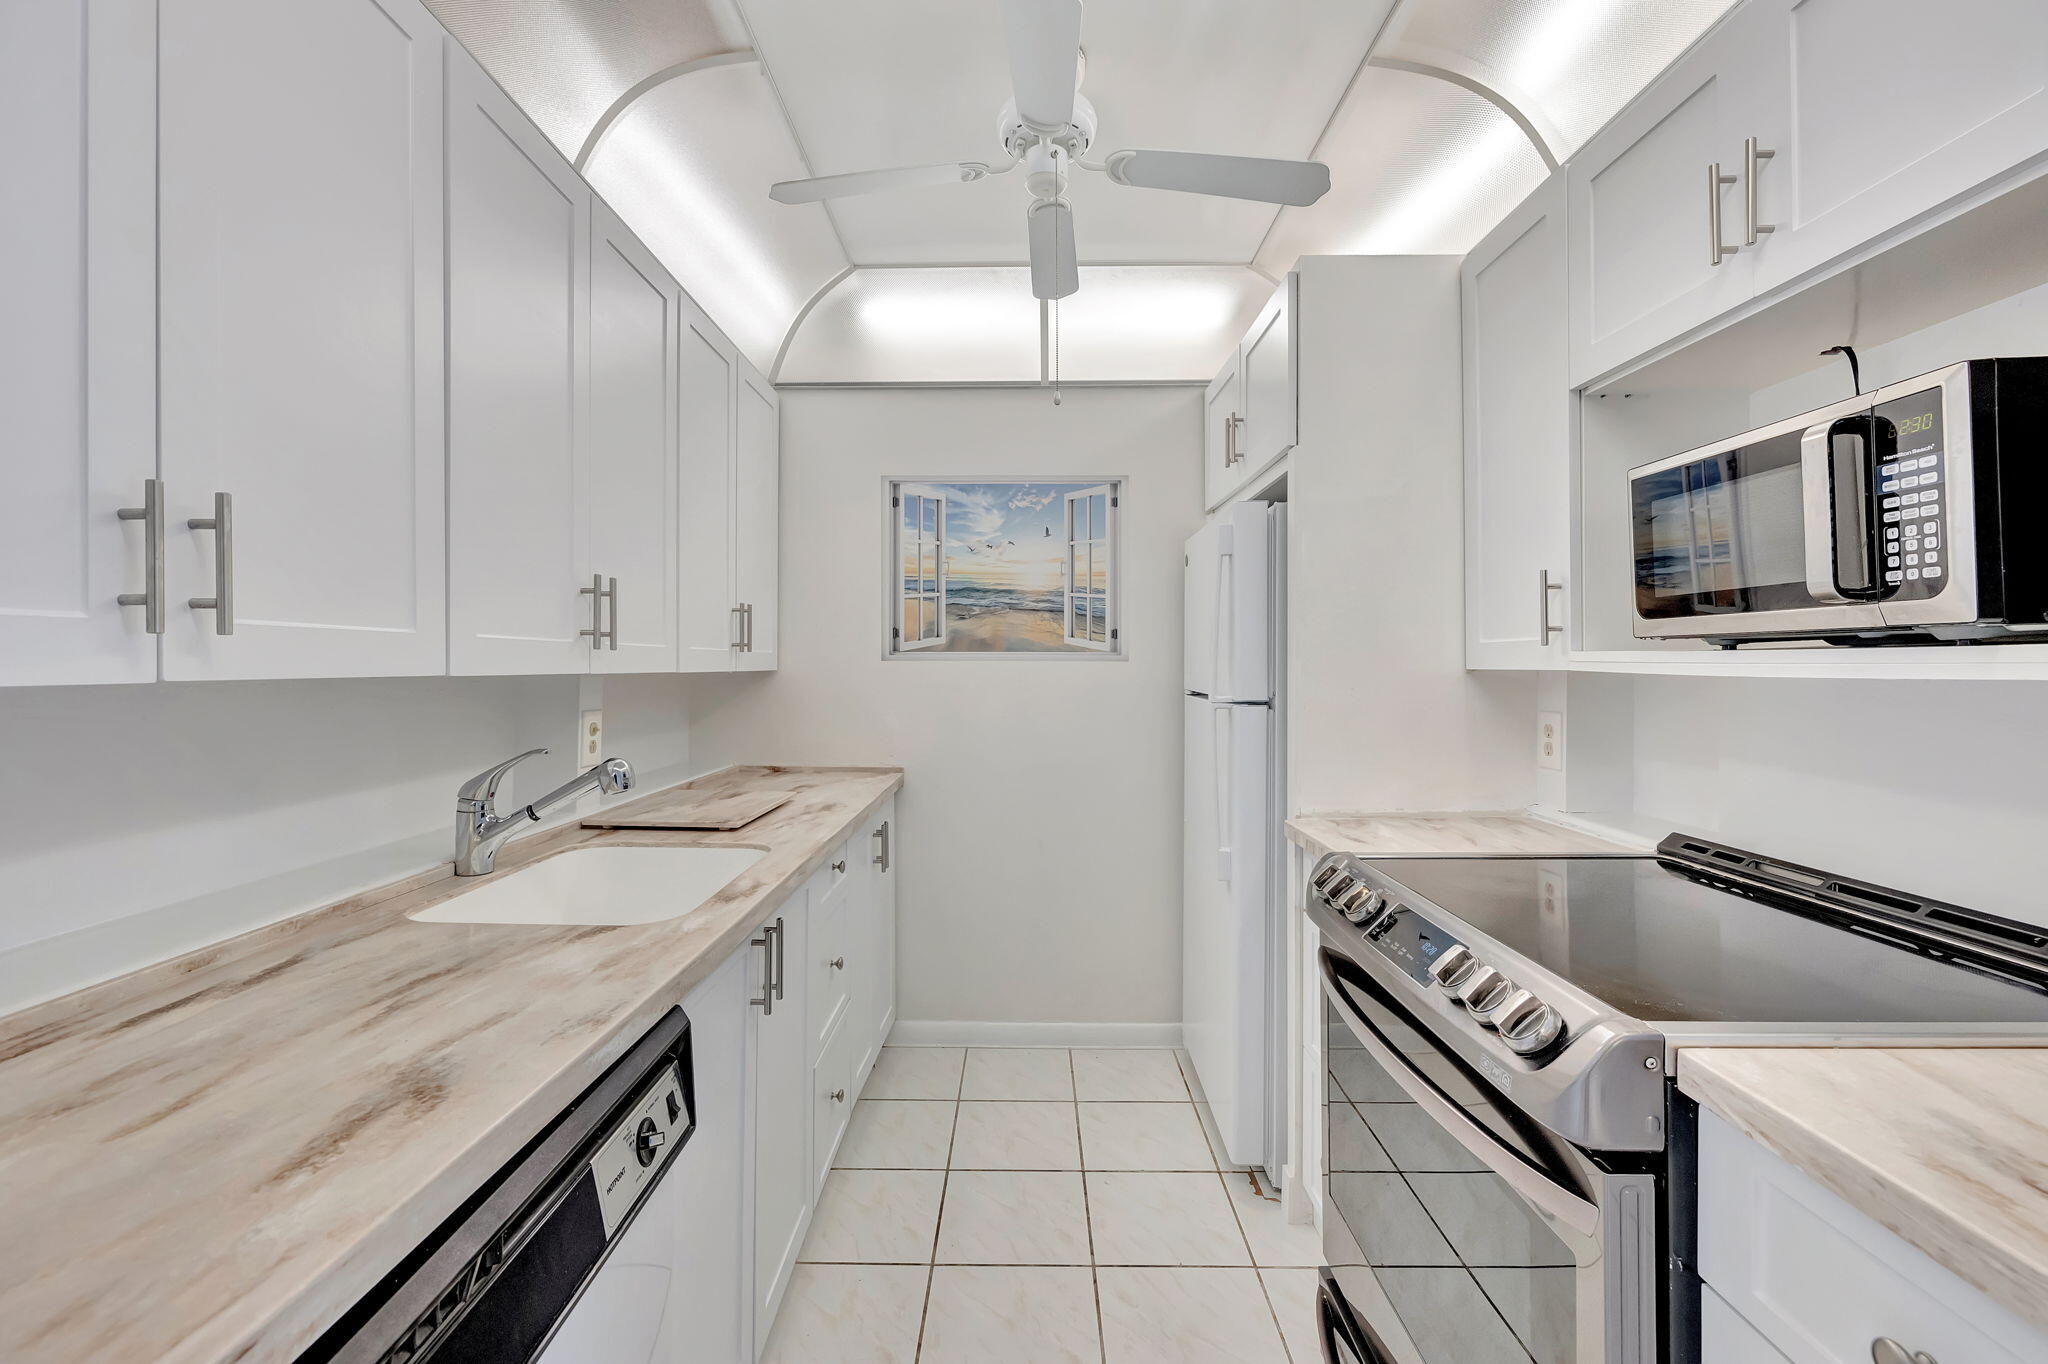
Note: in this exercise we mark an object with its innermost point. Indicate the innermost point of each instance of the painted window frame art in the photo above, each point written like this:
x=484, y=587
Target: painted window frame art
x=1003, y=568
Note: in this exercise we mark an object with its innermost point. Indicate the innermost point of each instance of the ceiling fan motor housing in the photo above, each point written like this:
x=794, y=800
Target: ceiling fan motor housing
x=1019, y=137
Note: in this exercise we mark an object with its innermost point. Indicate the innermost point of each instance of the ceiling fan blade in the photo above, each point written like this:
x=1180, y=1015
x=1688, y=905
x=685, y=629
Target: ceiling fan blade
x=1299, y=183
x=1045, y=45
x=875, y=181
x=1054, y=273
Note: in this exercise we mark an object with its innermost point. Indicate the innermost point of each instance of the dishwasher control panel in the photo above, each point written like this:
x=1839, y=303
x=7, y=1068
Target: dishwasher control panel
x=632, y=1155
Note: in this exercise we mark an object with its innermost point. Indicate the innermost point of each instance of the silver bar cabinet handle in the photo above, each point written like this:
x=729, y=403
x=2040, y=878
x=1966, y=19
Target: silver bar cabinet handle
x=611, y=596
x=151, y=515
x=1718, y=250
x=881, y=836
x=222, y=602
x=1753, y=156
x=781, y=936
x=1544, y=587
x=766, y=942
x=738, y=614
x=594, y=632
x=746, y=627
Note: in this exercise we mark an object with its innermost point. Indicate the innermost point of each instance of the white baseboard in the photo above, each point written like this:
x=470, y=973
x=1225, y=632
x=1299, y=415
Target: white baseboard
x=927, y=1032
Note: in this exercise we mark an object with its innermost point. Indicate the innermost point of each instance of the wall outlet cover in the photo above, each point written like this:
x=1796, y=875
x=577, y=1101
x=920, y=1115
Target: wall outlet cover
x=589, y=739
x=1550, y=740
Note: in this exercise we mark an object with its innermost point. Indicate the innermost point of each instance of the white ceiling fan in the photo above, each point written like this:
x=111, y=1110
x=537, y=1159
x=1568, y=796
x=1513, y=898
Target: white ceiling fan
x=1047, y=128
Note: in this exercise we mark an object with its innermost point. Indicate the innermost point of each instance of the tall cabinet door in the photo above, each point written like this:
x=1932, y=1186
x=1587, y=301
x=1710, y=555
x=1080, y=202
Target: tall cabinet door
x=1518, y=405
x=1646, y=264
x=758, y=501
x=301, y=337
x=633, y=306
x=1270, y=409
x=77, y=339
x=518, y=523
x=708, y=379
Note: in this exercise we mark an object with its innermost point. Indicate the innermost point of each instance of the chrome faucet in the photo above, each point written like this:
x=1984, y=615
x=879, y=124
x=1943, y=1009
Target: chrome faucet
x=479, y=828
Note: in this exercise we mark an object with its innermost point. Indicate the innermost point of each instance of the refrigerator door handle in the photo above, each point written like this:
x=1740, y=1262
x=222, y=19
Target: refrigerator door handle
x=1225, y=767
x=1221, y=684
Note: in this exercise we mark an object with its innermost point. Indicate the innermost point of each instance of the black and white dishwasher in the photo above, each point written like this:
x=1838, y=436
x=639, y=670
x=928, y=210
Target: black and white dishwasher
x=540, y=1266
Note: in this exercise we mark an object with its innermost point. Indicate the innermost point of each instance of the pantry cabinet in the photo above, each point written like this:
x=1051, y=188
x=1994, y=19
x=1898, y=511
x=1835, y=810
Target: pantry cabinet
x=1251, y=411
x=1518, y=430
x=78, y=343
x=708, y=593
x=299, y=277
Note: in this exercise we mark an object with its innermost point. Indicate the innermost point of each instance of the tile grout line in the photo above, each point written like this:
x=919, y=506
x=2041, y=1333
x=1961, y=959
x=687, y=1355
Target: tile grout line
x=1258, y=1271
x=931, y=1269
x=1087, y=1213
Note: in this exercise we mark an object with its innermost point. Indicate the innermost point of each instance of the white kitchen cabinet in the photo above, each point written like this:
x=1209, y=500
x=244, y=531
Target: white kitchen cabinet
x=872, y=853
x=1881, y=111
x=782, y=1059
x=1821, y=1281
x=520, y=599
x=77, y=340
x=1642, y=208
x=1222, y=416
x=757, y=520
x=300, y=365
x=1270, y=382
x=632, y=427
x=1518, y=406
x=832, y=1095
x=708, y=592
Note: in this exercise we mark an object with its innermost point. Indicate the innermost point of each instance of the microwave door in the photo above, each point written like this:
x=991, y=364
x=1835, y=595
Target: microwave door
x=1837, y=462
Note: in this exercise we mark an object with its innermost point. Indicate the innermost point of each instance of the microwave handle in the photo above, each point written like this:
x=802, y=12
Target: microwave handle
x=1828, y=513
x=1528, y=1182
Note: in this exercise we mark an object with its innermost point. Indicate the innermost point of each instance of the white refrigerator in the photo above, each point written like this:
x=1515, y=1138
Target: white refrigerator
x=1232, y=873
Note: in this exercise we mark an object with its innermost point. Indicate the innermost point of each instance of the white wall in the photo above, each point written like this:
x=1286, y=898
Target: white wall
x=1383, y=715
x=1041, y=809
x=140, y=822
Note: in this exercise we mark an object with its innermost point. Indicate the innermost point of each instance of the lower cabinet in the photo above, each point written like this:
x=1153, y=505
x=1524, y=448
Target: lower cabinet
x=872, y=854
x=781, y=1056
x=1807, y=1277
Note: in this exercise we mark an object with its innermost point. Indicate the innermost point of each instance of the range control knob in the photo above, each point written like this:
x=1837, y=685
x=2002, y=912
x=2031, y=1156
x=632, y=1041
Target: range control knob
x=1507, y=1004
x=1483, y=989
x=1326, y=880
x=1530, y=1027
x=1456, y=963
x=1362, y=904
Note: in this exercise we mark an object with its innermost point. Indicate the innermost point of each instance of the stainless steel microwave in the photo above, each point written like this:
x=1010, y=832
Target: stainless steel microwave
x=1914, y=510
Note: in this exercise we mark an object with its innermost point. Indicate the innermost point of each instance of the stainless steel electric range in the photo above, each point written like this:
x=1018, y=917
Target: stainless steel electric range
x=1508, y=1167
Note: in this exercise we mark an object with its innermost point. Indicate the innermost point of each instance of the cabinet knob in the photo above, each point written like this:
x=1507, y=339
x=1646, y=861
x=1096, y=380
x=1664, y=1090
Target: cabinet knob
x=1885, y=1350
x=838, y=1096
x=837, y=963
x=839, y=866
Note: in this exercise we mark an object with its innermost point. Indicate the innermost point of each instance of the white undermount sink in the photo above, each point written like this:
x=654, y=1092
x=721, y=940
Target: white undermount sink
x=588, y=886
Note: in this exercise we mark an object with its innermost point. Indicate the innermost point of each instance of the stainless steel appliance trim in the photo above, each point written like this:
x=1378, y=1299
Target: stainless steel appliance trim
x=1817, y=505
x=222, y=602
x=151, y=515
x=1528, y=1183
x=1956, y=604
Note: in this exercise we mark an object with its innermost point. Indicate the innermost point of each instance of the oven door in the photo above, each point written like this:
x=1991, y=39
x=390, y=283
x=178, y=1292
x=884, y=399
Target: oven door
x=1457, y=1230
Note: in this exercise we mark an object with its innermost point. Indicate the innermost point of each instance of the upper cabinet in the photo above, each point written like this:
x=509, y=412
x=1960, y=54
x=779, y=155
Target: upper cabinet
x=521, y=599
x=1252, y=411
x=757, y=526
x=1794, y=135
x=1518, y=430
x=1877, y=112
x=78, y=337
x=634, y=307
x=299, y=281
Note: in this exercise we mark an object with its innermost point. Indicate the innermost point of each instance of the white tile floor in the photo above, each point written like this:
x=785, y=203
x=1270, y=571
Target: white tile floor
x=1037, y=1205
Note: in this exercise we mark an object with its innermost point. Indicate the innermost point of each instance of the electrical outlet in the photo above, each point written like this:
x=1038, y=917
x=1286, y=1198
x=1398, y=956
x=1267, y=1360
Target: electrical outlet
x=590, y=740
x=1550, y=740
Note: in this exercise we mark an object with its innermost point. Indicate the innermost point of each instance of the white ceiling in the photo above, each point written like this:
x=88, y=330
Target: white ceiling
x=1423, y=163
x=914, y=81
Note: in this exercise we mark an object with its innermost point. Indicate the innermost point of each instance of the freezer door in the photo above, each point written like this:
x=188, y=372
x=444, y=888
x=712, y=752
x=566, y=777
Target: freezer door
x=1201, y=578
x=1224, y=941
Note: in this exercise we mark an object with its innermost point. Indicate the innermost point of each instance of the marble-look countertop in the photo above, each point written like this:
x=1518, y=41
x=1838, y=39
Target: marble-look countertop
x=1947, y=1146
x=1469, y=834
x=213, y=1158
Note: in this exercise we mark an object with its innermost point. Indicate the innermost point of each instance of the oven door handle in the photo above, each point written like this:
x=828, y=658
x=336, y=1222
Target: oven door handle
x=1337, y=1325
x=1528, y=1182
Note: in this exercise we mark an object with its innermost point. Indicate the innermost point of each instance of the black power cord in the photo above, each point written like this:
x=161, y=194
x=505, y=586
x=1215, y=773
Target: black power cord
x=1855, y=368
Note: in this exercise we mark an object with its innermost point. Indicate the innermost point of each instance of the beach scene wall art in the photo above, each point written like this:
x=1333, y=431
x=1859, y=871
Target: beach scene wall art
x=1004, y=567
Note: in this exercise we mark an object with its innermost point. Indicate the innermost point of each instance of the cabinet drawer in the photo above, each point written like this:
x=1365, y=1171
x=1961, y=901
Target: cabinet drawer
x=831, y=1099
x=831, y=955
x=1821, y=1281
x=1725, y=1338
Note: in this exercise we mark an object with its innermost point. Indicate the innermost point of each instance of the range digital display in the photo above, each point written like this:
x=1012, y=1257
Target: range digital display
x=1413, y=943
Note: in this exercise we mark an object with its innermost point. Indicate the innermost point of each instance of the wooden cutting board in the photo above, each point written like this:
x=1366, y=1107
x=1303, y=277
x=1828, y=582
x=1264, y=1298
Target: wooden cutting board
x=688, y=809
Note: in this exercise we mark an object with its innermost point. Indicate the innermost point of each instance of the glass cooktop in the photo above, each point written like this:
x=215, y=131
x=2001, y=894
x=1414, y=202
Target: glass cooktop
x=1662, y=947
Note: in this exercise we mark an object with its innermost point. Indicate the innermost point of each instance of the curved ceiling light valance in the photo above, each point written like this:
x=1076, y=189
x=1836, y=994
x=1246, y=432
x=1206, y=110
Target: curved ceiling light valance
x=740, y=56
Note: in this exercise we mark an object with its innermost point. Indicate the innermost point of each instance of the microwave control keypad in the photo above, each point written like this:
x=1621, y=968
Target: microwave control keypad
x=1910, y=497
